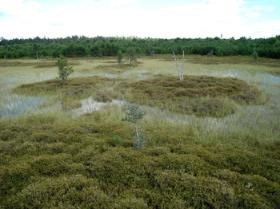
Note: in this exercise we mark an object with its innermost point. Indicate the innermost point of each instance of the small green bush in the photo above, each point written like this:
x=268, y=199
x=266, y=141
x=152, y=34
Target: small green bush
x=133, y=113
x=64, y=70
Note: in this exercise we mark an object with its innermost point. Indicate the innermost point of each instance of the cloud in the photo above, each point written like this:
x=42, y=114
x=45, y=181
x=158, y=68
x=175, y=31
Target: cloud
x=203, y=18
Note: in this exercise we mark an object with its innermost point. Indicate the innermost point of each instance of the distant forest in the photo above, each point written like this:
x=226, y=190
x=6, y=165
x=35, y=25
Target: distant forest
x=104, y=46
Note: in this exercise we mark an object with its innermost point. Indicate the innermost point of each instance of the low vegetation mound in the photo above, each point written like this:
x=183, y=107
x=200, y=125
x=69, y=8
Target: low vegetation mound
x=72, y=91
x=77, y=86
x=201, y=95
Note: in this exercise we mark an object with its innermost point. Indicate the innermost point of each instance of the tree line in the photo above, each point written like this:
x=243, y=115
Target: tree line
x=76, y=46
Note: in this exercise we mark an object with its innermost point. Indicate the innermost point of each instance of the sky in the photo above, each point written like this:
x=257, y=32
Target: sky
x=139, y=18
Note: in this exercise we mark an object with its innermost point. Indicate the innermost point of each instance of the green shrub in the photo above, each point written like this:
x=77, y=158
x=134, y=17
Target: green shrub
x=54, y=161
x=13, y=178
x=133, y=113
x=64, y=70
x=63, y=192
x=55, y=165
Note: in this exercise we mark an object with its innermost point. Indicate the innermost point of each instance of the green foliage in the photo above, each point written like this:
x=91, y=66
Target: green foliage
x=101, y=46
x=133, y=113
x=115, y=141
x=55, y=165
x=64, y=70
x=62, y=192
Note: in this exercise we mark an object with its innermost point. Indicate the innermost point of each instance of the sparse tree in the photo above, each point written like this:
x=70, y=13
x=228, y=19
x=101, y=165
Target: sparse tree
x=36, y=48
x=210, y=53
x=64, y=70
x=119, y=57
x=255, y=54
x=131, y=54
x=133, y=114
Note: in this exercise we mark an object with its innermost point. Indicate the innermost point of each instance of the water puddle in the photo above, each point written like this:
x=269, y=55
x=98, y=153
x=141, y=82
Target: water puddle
x=16, y=105
x=269, y=79
x=90, y=105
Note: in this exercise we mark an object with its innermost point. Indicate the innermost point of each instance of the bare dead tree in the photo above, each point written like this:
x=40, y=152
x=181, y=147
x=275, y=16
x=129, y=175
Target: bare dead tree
x=180, y=65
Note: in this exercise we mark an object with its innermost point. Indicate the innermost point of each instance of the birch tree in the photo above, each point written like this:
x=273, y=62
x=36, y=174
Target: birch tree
x=179, y=65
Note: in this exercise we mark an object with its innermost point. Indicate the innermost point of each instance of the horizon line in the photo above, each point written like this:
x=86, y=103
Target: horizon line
x=136, y=37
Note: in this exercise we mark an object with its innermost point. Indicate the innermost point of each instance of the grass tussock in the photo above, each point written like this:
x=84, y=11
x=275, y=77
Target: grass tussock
x=90, y=162
x=200, y=95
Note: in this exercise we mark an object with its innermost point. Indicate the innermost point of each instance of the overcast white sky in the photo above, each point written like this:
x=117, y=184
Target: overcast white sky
x=141, y=18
